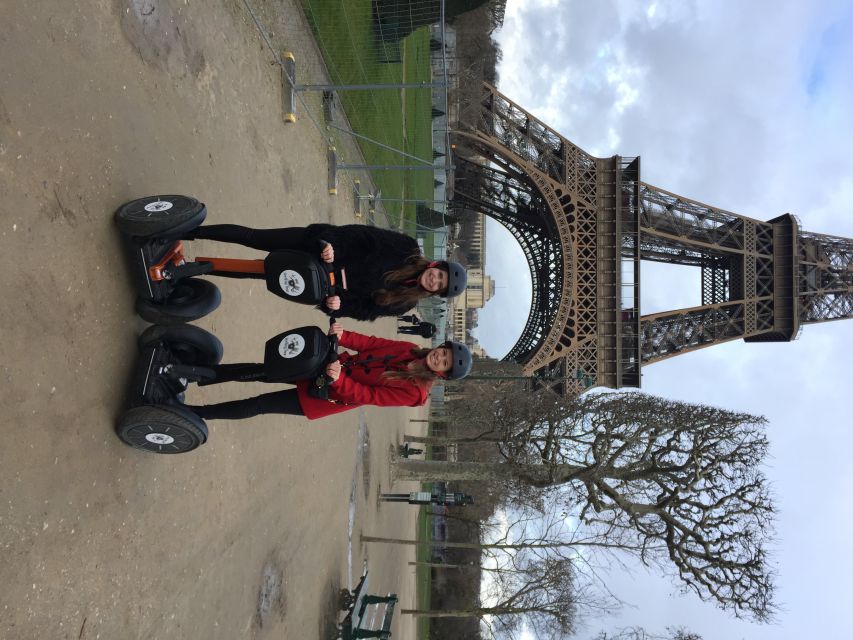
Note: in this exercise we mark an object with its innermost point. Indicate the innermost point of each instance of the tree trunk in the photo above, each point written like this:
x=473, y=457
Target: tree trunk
x=533, y=474
x=557, y=544
x=449, y=613
x=457, y=545
x=443, y=440
x=436, y=471
x=442, y=565
x=467, y=545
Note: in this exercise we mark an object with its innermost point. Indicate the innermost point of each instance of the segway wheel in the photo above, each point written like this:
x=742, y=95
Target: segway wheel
x=188, y=344
x=191, y=299
x=160, y=215
x=161, y=429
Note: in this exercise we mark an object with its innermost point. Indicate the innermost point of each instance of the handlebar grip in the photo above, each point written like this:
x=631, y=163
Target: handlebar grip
x=328, y=266
x=333, y=349
x=333, y=342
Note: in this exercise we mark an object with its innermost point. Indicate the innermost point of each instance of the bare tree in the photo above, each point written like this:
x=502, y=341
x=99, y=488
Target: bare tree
x=639, y=633
x=497, y=406
x=539, y=591
x=523, y=580
x=678, y=485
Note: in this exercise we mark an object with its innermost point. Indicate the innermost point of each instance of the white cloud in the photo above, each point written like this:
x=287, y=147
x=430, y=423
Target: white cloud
x=505, y=315
x=745, y=106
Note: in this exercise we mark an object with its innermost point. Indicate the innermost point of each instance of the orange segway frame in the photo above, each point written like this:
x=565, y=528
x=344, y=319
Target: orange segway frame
x=235, y=265
x=175, y=257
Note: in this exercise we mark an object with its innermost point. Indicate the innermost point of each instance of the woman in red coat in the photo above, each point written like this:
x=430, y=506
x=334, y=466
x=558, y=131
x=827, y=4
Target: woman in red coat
x=384, y=373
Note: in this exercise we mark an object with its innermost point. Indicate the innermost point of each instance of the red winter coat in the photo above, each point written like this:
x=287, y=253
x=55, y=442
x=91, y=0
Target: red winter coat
x=362, y=384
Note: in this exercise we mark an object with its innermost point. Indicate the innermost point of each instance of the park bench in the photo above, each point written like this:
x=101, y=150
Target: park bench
x=362, y=609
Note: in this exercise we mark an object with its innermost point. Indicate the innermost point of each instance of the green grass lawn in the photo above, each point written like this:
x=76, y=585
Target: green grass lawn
x=399, y=118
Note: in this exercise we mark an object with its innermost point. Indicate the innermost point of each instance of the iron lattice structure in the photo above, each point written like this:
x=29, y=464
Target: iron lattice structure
x=585, y=223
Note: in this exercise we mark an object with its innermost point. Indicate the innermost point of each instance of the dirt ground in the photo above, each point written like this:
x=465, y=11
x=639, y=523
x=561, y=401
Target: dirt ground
x=102, y=101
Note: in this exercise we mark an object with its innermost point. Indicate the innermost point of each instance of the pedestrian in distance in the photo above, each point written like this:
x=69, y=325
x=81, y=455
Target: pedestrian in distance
x=422, y=329
x=386, y=273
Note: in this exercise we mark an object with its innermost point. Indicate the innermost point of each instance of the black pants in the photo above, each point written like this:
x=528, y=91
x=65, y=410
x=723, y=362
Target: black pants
x=282, y=402
x=261, y=239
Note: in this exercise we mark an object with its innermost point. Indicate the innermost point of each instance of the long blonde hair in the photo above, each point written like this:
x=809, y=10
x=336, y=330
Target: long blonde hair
x=422, y=376
x=397, y=293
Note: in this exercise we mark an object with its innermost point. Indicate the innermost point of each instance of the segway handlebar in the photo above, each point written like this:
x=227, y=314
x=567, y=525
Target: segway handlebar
x=336, y=287
x=333, y=343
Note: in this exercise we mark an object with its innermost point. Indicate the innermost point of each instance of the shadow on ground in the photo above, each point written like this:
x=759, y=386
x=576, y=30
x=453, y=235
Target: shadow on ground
x=329, y=611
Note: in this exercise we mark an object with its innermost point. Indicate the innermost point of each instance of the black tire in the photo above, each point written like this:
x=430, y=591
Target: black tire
x=191, y=299
x=189, y=344
x=164, y=215
x=162, y=429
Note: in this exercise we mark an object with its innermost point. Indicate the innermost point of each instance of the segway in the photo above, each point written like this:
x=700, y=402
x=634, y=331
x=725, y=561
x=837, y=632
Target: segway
x=173, y=357
x=169, y=358
x=291, y=356
x=168, y=292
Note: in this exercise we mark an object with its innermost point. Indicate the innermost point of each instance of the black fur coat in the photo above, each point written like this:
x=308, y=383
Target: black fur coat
x=367, y=254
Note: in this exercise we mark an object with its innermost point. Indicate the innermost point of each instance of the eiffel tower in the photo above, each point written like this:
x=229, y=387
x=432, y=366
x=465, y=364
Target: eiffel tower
x=585, y=223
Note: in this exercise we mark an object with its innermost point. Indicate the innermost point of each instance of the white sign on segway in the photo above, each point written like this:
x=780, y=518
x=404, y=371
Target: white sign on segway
x=291, y=282
x=291, y=345
x=158, y=206
x=159, y=438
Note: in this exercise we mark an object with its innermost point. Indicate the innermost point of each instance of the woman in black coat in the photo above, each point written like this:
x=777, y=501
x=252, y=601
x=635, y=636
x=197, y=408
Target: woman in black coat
x=385, y=270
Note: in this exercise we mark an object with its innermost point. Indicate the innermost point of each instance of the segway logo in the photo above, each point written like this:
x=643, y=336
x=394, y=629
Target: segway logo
x=291, y=345
x=291, y=282
x=157, y=206
x=159, y=438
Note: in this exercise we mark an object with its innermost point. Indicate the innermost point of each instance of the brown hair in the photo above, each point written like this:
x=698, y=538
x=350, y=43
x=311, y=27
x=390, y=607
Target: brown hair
x=397, y=292
x=422, y=376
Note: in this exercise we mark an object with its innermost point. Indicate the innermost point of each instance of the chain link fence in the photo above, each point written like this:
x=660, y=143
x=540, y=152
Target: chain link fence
x=388, y=82
x=378, y=90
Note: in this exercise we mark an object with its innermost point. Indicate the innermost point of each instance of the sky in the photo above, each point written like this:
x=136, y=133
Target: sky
x=746, y=106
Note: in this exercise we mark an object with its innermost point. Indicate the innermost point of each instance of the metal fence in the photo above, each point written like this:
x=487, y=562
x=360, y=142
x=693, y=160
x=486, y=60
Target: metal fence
x=385, y=87
x=380, y=96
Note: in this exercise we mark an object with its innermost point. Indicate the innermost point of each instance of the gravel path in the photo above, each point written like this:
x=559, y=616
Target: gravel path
x=102, y=101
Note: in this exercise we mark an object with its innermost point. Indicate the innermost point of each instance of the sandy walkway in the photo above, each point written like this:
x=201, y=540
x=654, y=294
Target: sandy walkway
x=98, y=104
